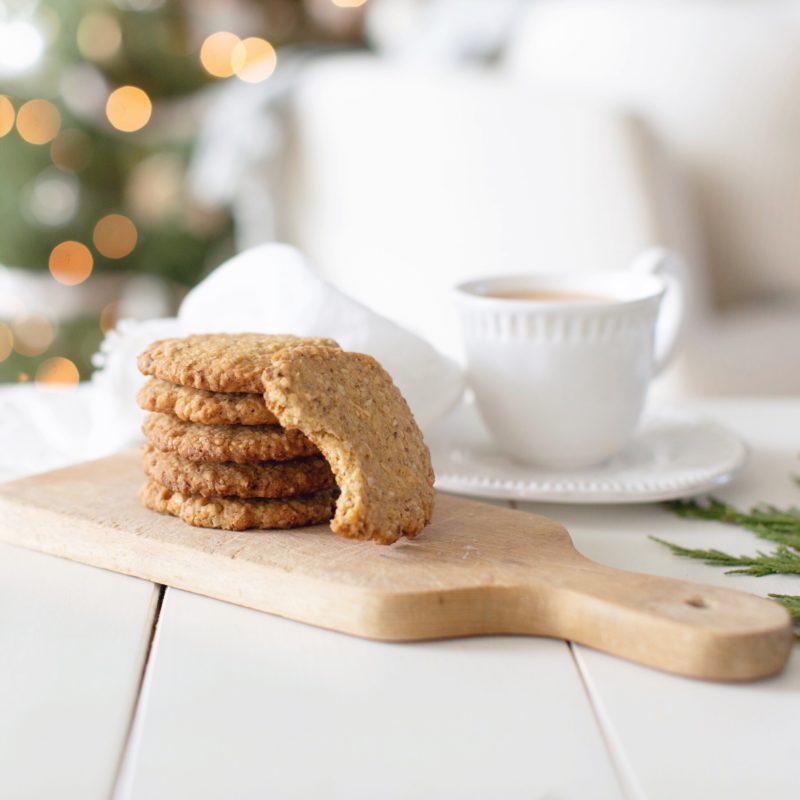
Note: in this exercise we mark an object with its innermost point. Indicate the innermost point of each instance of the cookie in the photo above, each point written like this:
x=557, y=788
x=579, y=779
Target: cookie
x=261, y=479
x=218, y=362
x=235, y=514
x=347, y=405
x=206, y=408
x=217, y=443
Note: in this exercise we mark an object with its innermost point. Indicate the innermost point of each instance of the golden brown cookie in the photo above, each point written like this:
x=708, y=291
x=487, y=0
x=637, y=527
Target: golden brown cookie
x=347, y=405
x=261, y=479
x=219, y=362
x=235, y=514
x=216, y=443
x=207, y=408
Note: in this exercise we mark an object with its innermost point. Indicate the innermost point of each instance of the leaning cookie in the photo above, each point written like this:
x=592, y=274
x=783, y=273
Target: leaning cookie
x=347, y=405
x=206, y=408
x=260, y=479
x=218, y=443
x=218, y=362
x=234, y=514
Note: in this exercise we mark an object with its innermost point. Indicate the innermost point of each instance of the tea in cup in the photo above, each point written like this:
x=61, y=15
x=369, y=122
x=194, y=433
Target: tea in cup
x=561, y=363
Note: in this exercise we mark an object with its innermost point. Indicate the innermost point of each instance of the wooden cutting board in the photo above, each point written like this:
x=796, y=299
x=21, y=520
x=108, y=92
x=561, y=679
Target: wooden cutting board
x=477, y=569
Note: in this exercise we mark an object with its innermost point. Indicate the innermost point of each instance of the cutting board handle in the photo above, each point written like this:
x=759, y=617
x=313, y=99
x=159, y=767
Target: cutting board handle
x=691, y=629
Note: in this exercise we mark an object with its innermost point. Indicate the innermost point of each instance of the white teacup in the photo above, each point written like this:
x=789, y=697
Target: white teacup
x=560, y=364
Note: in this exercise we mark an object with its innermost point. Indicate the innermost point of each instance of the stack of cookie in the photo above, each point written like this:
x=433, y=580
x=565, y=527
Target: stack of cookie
x=216, y=456
x=255, y=431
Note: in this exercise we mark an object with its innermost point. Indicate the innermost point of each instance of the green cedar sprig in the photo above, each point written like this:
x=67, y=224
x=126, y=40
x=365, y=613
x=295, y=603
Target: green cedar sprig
x=791, y=602
x=781, y=526
x=783, y=561
x=766, y=522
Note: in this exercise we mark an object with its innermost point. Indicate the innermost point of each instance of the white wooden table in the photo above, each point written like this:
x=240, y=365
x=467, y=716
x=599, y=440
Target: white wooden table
x=111, y=686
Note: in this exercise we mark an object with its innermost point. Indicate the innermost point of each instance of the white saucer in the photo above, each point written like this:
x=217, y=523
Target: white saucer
x=674, y=454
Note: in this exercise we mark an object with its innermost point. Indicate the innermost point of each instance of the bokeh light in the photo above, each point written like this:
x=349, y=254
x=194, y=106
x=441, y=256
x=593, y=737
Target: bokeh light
x=71, y=263
x=99, y=36
x=216, y=53
x=54, y=197
x=7, y=115
x=348, y=3
x=21, y=45
x=23, y=377
x=33, y=334
x=6, y=341
x=38, y=121
x=254, y=59
x=71, y=150
x=115, y=236
x=155, y=189
x=128, y=108
x=57, y=373
x=109, y=316
x=84, y=90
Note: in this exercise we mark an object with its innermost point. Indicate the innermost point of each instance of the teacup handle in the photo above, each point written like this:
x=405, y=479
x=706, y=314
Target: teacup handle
x=668, y=266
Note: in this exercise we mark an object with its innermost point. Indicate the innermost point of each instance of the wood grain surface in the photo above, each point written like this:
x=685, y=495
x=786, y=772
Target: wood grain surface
x=478, y=569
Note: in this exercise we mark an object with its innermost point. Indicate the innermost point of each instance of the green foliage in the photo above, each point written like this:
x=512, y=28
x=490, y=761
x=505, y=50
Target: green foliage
x=123, y=173
x=783, y=561
x=767, y=522
x=155, y=55
x=791, y=603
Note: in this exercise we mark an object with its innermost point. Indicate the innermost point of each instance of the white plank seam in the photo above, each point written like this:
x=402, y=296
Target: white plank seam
x=622, y=766
x=124, y=759
x=626, y=789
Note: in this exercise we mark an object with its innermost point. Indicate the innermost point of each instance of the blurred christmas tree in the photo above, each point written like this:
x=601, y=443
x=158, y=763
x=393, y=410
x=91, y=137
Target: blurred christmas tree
x=99, y=106
x=92, y=179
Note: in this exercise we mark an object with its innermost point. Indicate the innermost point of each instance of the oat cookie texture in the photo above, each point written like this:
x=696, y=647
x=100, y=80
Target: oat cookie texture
x=207, y=408
x=348, y=406
x=236, y=514
x=218, y=443
x=219, y=362
x=258, y=479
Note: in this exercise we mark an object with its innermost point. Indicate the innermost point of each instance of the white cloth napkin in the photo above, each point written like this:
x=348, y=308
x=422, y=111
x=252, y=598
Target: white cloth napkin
x=268, y=289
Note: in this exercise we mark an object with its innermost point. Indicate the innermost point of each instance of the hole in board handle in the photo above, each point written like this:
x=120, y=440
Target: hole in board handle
x=696, y=602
